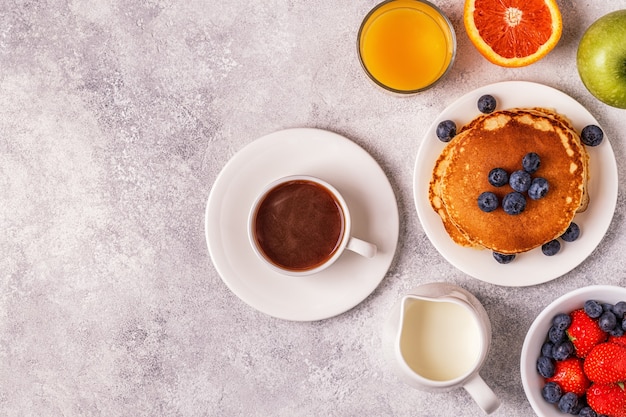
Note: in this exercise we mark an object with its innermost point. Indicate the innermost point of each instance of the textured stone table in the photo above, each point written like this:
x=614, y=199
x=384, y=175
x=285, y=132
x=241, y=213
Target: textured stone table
x=116, y=117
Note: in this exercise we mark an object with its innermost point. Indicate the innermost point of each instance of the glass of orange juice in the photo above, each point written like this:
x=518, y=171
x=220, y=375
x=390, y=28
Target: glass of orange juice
x=406, y=46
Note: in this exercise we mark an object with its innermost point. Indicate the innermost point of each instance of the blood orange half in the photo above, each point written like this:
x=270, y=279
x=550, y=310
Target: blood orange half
x=513, y=33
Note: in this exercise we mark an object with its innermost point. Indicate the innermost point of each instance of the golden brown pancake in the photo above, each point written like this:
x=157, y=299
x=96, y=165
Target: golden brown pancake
x=500, y=140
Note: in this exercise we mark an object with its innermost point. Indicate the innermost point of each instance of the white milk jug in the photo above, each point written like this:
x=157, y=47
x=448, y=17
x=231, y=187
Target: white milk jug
x=437, y=338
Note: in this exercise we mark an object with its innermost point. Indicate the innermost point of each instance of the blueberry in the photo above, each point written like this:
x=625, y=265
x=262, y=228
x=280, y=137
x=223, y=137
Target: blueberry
x=551, y=248
x=562, y=351
x=587, y=412
x=607, y=321
x=562, y=321
x=520, y=181
x=514, y=203
x=568, y=402
x=498, y=177
x=556, y=335
x=546, y=349
x=538, y=188
x=591, y=135
x=446, y=130
x=486, y=104
x=545, y=367
x=624, y=325
x=607, y=307
x=531, y=162
x=620, y=309
x=572, y=233
x=503, y=258
x=593, y=309
x=579, y=406
x=551, y=392
x=617, y=331
x=488, y=201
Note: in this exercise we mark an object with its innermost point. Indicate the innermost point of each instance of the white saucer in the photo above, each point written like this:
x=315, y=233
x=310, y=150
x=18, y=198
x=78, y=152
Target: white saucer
x=532, y=267
x=328, y=156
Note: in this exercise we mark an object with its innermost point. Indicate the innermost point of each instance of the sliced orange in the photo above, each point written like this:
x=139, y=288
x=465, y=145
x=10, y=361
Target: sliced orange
x=513, y=33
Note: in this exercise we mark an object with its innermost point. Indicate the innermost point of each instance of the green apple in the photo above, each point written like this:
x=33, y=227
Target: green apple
x=601, y=59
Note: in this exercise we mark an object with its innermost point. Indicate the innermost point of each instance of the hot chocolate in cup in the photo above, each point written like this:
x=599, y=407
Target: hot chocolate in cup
x=300, y=225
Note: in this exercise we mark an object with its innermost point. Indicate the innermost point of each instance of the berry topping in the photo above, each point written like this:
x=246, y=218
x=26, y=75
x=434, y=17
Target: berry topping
x=607, y=321
x=620, y=340
x=584, y=332
x=617, y=332
x=608, y=399
x=488, y=201
x=591, y=135
x=607, y=307
x=551, y=392
x=545, y=367
x=572, y=233
x=570, y=376
x=591, y=383
x=446, y=130
x=546, y=349
x=606, y=363
x=531, y=162
x=538, y=188
x=563, y=351
x=520, y=181
x=568, y=403
x=587, y=412
x=503, y=258
x=551, y=248
x=514, y=203
x=619, y=309
x=562, y=321
x=498, y=177
x=556, y=335
x=593, y=309
x=486, y=104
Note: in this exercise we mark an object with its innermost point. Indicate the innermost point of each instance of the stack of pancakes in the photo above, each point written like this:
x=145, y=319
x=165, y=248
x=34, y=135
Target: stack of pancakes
x=500, y=140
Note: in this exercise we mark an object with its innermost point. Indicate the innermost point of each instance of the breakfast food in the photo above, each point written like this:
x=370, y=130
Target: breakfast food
x=511, y=180
x=513, y=33
x=583, y=360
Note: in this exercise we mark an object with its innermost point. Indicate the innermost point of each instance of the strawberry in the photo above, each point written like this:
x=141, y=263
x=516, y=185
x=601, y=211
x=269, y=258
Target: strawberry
x=621, y=340
x=584, y=333
x=569, y=376
x=607, y=399
x=606, y=363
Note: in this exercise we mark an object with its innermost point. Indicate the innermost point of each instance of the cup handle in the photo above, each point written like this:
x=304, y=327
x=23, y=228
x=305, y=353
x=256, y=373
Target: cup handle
x=482, y=394
x=362, y=247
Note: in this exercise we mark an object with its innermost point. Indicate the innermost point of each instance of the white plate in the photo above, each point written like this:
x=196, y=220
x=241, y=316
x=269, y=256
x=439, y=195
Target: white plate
x=328, y=156
x=532, y=267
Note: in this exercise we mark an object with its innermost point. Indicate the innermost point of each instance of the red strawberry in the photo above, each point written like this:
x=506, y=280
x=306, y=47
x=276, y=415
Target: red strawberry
x=606, y=363
x=584, y=332
x=607, y=399
x=569, y=376
x=621, y=340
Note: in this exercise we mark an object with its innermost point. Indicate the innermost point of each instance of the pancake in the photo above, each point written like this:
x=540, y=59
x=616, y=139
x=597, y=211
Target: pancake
x=500, y=140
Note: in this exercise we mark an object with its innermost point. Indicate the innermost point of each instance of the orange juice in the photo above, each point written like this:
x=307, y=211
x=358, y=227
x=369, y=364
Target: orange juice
x=406, y=45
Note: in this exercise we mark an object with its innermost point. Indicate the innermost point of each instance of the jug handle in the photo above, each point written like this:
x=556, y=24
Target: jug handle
x=482, y=394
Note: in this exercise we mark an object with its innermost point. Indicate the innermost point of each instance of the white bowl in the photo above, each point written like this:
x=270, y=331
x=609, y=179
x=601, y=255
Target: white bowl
x=536, y=336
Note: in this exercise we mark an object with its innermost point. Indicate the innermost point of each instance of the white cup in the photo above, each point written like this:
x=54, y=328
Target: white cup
x=300, y=225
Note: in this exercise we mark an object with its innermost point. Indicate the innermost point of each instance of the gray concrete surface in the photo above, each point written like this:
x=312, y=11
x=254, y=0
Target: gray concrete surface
x=116, y=117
